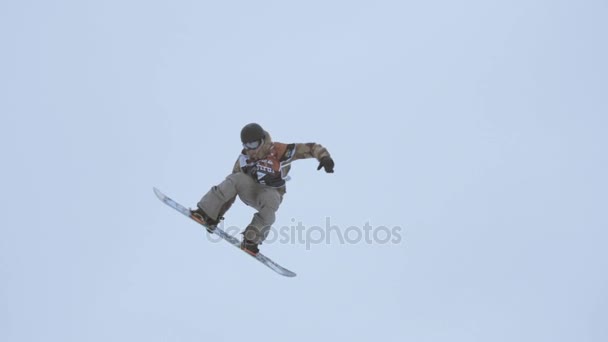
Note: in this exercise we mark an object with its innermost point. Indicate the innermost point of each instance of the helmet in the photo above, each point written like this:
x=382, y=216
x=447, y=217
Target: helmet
x=252, y=132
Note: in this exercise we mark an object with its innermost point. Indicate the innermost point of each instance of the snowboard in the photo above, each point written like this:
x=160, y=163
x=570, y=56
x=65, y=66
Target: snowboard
x=225, y=236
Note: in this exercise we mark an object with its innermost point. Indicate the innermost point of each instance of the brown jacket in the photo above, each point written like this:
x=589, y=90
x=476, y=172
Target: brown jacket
x=271, y=163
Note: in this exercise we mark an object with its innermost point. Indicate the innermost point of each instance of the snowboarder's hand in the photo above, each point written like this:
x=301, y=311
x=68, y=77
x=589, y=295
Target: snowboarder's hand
x=251, y=170
x=327, y=163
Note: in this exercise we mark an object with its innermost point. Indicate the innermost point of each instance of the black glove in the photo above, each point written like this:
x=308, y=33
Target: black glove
x=251, y=170
x=327, y=163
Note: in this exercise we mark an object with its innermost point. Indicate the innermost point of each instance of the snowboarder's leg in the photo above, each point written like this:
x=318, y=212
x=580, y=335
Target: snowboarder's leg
x=220, y=197
x=267, y=203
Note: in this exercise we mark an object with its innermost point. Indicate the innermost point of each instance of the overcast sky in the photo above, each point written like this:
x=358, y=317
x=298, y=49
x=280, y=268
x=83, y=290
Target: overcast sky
x=478, y=128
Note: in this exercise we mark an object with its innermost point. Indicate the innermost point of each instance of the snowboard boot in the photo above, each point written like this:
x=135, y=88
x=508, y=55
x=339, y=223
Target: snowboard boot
x=199, y=216
x=250, y=247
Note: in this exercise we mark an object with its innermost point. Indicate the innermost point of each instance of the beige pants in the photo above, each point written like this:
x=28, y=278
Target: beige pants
x=264, y=199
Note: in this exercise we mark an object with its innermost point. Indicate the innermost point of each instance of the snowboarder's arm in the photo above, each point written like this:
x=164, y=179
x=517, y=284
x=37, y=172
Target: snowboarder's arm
x=304, y=151
x=237, y=166
x=241, y=165
x=317, y=151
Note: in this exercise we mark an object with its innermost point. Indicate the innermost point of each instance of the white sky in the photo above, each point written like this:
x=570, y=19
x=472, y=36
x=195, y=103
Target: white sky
x=478, y=127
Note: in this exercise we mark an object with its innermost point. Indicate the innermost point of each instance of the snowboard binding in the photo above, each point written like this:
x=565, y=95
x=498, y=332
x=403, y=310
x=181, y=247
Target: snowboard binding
x=201, y=217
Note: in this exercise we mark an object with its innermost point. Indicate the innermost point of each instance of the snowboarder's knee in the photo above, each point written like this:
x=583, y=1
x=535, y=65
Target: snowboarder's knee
x=268, y=215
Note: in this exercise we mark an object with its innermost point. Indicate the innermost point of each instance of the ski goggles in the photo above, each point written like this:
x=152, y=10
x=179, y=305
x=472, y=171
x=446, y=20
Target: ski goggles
x=253, y=144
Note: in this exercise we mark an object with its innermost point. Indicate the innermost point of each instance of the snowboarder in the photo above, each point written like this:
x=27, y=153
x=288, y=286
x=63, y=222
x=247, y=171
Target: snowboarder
x=258, y=178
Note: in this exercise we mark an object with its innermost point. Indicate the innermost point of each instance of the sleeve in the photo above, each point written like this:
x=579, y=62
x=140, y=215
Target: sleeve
x=304, y=151
x=237, y=166
x=239, y=163
x=242, y=164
